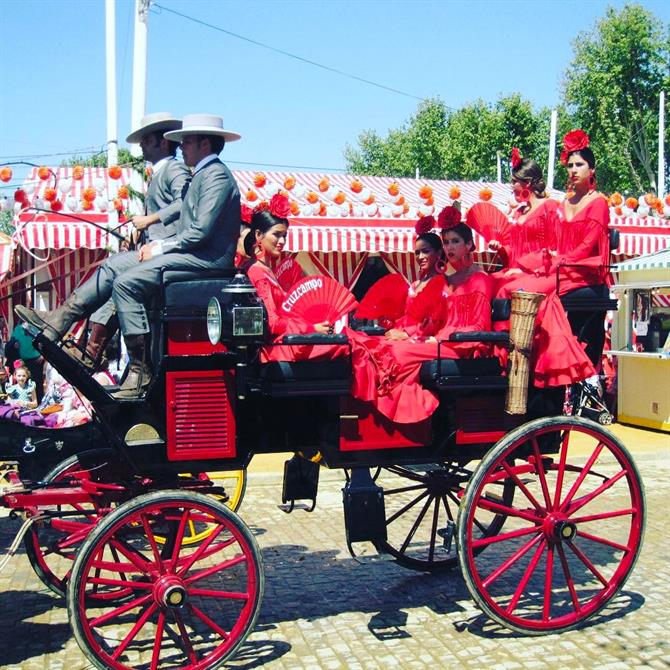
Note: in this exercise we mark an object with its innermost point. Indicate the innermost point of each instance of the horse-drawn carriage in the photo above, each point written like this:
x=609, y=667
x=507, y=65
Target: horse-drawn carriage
x=544, y=513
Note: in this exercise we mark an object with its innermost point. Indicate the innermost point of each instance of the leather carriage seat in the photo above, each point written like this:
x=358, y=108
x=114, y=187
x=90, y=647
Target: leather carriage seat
x=186, y=294
x=470, y=373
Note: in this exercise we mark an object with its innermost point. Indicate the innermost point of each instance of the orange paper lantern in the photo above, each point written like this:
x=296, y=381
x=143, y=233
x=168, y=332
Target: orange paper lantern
x=259, y=180
x=43, y=172
x=618, y=211
x=5, y=174
x=322, y=209
x=324, y=185
x=631, y=203
x=356, y=186
x=295, y=208
x=339, y=198
x=425, y=192
x=429, y=201
x=87, y=205
x=616, y=199
x=251, y=195
x=370, y=200
x=454, y=193
x=123, y=192
x=667, y=199
x=114, y=172
x=485, y=194
x=650, y=198
x=312, y=198
x=89, y=194
x=393, y=189
x=400, y=200
x=50, y=194
x=405, y=208
x=118, y=204
x=77, y=172
x=289, y=183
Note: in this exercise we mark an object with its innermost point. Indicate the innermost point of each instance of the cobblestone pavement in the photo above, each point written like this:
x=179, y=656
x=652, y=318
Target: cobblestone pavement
x=324, y=610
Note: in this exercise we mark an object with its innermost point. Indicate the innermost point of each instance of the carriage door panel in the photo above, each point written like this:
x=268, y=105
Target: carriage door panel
x=200, y=415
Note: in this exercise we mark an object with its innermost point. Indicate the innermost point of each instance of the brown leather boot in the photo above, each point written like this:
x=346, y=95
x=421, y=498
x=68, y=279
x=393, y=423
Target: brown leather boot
x=56, y=323
x=139, y=373
x=98, y=340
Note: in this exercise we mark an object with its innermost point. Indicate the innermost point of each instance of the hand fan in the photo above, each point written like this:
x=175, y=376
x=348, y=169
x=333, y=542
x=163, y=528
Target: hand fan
x=385, y=299
x=489, y=222
x=317, y=299
x=429, y=303
x=288, y=272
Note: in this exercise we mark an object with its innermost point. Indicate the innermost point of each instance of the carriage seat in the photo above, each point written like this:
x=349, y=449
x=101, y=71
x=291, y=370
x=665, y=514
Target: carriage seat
x=282, y=379
x=186, y=294
x=471, y=373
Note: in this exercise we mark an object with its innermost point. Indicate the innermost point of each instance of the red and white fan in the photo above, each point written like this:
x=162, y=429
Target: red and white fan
x=429, y=305
x=318, y=299
x=385, y=299
x=489, y=222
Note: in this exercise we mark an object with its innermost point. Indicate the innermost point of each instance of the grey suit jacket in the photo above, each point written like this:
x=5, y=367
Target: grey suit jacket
x=164, y=196
x=209, y=223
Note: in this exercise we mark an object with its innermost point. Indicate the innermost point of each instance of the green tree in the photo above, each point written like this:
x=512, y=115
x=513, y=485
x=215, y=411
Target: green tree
x=612, y=90
x=6, y=225
x=100, y=160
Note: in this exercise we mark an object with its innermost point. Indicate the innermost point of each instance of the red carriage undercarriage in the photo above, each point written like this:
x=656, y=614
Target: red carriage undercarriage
x=544, y=513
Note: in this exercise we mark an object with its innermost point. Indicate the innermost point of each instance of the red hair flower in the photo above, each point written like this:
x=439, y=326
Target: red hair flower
x=246, y=213
x=575, y=140
x=424, y=225
x=515, y=158
x=262, y=206
x=449, y=217
x=280, y=206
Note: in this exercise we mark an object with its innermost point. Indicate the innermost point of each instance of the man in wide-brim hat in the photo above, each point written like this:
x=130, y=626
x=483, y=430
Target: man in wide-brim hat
x=205, y=239
x=162, y=204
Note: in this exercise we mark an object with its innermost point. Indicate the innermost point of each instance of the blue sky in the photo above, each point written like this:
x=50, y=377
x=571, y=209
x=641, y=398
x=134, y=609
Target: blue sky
x=52, y=77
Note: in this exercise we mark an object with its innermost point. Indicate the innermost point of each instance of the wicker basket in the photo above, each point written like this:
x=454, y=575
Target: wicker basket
x=522, y=324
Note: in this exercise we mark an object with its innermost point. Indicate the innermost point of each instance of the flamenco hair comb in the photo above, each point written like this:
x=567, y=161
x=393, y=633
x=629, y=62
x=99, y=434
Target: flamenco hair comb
x=515, y=158
x=425, y=224
x=575, y=140
x=449, y=217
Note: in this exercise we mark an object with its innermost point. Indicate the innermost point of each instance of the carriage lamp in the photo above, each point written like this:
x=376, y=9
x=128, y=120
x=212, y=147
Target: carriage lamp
x=214, y=321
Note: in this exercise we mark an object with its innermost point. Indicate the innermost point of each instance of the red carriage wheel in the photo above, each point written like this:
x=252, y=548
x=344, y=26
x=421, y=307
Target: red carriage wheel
x=51, y=545
x=421, y=503
x=192, y=603
x=572, y=536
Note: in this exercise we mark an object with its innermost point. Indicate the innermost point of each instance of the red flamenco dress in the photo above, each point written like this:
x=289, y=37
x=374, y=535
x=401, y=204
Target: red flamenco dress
x=420, y=319
x=272, y=289
x=387, y=372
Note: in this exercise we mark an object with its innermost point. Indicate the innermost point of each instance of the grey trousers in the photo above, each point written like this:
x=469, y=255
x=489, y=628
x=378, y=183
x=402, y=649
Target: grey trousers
x=130, y=284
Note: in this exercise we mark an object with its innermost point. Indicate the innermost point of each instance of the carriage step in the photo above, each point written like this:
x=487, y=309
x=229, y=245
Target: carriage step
x=447, y=534
x=364, y=510
x=301, y=482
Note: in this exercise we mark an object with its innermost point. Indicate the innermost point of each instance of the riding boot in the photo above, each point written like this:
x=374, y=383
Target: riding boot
x=139, y=373
x=56, y=323
x=92, y=357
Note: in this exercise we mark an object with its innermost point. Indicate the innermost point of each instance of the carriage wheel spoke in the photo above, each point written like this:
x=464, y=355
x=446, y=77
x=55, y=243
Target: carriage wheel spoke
x=561, y=468
x=528, y=572
x=584, y=500
x=503, y=537
x=541, y=474
x=205, y=619
x=158, y=639
x=134, y=630
x=186, y=640
x=181, y=529
x=203, y=550
x=582, y=475
x=503, y=567
x=603, y=540
x=548, y=576
x=568, y=579
x=216, y=568
x=587, y=562
x=490, y=506
x=212, y=593
x=404, y=489
x=407, y=507
x=152, y=541
x=522, y=486
x=447, y=509
x=415, y=525
x=629, y=511
x=433, y=530
x=117, y=611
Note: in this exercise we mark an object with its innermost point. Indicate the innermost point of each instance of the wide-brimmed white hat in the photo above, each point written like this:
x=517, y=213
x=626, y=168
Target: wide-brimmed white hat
x=152, y=123
x=202, y=124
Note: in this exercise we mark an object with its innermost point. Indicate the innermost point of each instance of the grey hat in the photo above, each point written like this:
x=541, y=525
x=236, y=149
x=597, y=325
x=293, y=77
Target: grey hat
x=152, y=123
x=202, y=124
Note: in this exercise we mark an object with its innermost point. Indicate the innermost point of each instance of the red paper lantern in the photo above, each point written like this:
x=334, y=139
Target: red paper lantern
x=322, y=209
x=122, y=192
x=20, y=196
x=114, y=172
x=425, y=192
x=50, y=194
x=56, y=206
x=5, y=174
x=339, y=198
x=485, y=194
x=77, y=172
x=43, y=172
x=87, y=205
x=89, y=194
x=400, y=200
x=393, y=189
x=259, y=180
x=356, y=186
x=370, y=200
x=454, y=193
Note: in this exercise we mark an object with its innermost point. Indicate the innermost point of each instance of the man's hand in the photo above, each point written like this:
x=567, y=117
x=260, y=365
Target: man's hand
x=143, y=222
x=147, y=252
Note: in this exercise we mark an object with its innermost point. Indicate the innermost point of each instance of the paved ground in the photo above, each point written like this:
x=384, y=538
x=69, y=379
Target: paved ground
x=322, y=609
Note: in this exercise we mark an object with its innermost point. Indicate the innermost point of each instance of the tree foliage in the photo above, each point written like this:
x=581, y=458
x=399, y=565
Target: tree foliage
x=612, y=88
x=100, y=160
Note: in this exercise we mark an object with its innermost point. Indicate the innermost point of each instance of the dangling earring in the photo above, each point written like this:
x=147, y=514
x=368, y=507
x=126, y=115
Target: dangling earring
x=440, y=267
x=525, y=195
x=593, y=186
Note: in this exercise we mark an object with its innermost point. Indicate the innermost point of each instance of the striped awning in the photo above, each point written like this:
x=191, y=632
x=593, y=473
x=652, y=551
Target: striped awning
x=659, y=260
x=6, y=257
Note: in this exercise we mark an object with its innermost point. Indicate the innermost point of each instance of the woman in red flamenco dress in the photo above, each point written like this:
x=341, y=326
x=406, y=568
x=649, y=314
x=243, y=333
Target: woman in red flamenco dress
x=389, y=376
x=272, y=275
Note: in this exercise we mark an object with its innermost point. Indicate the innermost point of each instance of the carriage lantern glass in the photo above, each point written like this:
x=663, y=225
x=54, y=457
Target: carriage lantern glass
x=214, y=321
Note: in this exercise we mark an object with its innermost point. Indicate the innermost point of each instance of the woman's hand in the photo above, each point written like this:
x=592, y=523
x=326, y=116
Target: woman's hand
x=494, y=245
x=396, y=334
x=324, y=328
x=512, y=272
